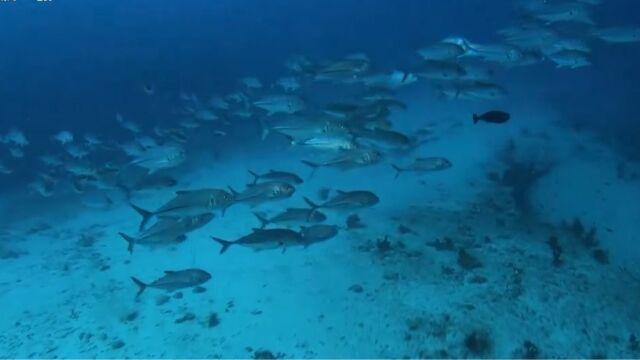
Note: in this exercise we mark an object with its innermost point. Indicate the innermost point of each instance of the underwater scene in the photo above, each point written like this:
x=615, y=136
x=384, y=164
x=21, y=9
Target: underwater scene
x=320, y=179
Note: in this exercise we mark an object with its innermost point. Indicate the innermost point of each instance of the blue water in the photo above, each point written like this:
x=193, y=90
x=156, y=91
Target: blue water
x=526, y=246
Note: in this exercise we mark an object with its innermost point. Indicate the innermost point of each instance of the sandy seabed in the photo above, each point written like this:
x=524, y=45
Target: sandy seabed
x=446, y=265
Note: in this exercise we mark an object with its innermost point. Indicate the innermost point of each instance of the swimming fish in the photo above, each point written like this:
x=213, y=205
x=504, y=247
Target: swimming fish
x=357, y=199
x=167, y=231
x=265, y=191
x=263, y=239
x=174, y=280
x=189, y=203
x=275, y=175
x=494, y=116
x=425, y=164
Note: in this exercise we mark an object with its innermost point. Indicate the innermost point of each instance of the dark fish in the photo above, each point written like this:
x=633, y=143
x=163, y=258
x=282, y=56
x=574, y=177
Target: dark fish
x=316, y=233
x=266, y=191
x=274, y=175
x=263, y=239
x=168, y=231
x=347, y=200
x=426, y=164
x=293, y=215
x=353, y=222
x=175, y=280
x=323, y=193
x=189, y=203
x=495, y=116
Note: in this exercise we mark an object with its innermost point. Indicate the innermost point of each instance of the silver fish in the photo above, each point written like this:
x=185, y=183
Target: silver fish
x=618, y=34
x=167, y=231
x=188, y=203
x=161, y=157
x=265, y=191
x=175, y=280
x=348, y=159
x=263, y=239
x=275, y=175
x=287, y=104
x=292, y=216
x=426, y=164
x=357, y=199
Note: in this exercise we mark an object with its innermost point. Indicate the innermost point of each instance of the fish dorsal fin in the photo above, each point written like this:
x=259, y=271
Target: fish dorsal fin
x=257, y=229
x=341, y=192
x=183, y=192
x=169, y=272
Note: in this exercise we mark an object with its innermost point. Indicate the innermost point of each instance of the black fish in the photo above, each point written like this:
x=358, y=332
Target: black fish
x=495, y=116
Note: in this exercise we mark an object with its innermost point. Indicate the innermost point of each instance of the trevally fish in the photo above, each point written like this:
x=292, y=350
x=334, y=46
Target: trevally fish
x=189, y=203
x=441, y=51
x=4, y=169
x=474, y=90
x=425, y=164
x=287, y=104
x=383, y=137
x=15, y=137
x=570, y=58
x=167, y=231
x=347, y=71
x=391, y=80
x=348, y=159
x=63, y=137
x=441, y=70
x=292, y=216
x=357, y=199
x=327, y=142
x=251, y=82
x=275, y=175
x=288, y=83
x=264, y=239
x=265, y=191
x=175, y=280
x=317, y=233
x=300, y=128
x=161, y=157
x=563, y=12
x=618, y=34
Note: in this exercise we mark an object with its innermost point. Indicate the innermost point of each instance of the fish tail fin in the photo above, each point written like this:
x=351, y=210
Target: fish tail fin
x=255, y=176
x=141, y=286
x=127, y=192
x=314, y=208
x=397, y=169
x=233, y=191
x=146, y=215
x=475, y=118
x=311, y=204
x=265, y=131
x=312, y=165
x=130, y=240
x=224, y=243
x=263, y=221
